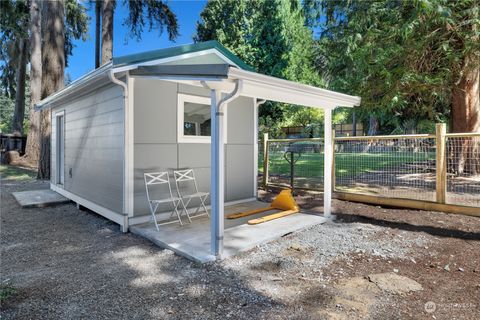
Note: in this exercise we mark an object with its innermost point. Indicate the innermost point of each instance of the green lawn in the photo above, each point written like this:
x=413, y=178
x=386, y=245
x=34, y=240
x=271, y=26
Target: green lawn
x=15, y=173
x=346, y=164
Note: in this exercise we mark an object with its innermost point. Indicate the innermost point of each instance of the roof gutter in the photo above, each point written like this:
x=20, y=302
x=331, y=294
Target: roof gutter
x=261, y=79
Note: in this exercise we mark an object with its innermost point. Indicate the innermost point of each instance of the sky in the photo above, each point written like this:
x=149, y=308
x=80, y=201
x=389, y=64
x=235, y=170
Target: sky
x=83, y=58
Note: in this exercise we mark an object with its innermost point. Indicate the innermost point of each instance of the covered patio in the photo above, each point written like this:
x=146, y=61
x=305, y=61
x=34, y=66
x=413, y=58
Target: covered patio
x=226, y=83
x=192, y=241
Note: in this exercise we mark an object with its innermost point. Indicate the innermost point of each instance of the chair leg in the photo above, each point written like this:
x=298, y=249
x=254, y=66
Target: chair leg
x=185, y=208
x=153, y=210
x=175, y=209
x=203, y=205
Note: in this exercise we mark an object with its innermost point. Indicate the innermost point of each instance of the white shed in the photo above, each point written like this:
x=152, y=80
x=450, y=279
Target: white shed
x=130, y=116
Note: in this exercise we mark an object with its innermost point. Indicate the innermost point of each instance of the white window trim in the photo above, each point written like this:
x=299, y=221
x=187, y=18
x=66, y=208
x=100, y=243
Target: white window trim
x=181, y=137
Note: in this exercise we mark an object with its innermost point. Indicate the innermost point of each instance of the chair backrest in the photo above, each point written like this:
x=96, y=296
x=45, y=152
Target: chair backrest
x=156, y=179
x=184, y=177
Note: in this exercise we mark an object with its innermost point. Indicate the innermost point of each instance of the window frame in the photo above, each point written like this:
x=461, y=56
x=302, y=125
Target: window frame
x=181, y=137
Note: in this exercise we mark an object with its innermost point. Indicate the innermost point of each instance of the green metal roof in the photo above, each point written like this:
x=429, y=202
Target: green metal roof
x=179, y=50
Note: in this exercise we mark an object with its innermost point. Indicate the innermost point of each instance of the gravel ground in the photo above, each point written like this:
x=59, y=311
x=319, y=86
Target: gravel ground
x=61, y=263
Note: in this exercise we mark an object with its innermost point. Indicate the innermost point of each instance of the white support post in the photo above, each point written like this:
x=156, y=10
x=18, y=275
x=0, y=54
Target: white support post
x=217, y=175
x=328, y=161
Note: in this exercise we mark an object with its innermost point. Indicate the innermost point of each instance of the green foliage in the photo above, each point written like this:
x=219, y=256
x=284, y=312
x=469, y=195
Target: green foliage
x=401, y=57
x=6, y=291
x=271, y=36
x=7, y=105
x=156, y=14
x=76, y=25
x=14, y=27
x=14, y=22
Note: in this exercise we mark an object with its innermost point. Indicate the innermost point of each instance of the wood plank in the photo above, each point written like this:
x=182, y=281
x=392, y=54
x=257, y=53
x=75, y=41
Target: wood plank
x=265, y=161
x=441, y=163
x=407, y=203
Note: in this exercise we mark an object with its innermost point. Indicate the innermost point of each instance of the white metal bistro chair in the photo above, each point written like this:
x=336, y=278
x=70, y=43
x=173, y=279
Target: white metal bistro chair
x=183, y=177
x=154, y=181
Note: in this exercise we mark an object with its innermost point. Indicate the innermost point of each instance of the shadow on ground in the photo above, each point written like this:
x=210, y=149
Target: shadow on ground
x=65, y=263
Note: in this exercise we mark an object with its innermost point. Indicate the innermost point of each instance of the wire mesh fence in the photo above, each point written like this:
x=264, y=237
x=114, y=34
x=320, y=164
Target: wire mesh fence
x=297, y=161
x=463, y=169
x=403, y=166
x=388, y=167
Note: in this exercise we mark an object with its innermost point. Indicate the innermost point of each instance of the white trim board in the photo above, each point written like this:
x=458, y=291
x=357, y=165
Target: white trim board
x=59, y=113
x=129, y=145
x=182, y=138
x=165, y=215
x=107, y=213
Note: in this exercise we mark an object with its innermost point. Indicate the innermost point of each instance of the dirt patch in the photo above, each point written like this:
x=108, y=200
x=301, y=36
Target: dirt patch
x=394, y=283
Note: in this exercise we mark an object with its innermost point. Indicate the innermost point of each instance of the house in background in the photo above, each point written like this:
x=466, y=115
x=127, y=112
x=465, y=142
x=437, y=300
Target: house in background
x=192, y=106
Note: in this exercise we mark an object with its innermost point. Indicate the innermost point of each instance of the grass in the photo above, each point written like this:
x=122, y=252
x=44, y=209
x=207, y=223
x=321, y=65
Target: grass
x=6, y=291
x=346, y=164
x=8, y=172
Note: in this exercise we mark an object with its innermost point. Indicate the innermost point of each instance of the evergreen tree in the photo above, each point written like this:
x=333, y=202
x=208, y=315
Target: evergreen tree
x=269, y=35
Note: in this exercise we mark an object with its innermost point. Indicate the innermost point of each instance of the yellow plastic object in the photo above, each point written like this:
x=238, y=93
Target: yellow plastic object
x=284, y=201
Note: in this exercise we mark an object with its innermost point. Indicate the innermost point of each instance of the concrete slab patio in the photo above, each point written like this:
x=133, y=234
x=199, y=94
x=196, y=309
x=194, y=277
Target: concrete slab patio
x=193, y=240
x=39, y=198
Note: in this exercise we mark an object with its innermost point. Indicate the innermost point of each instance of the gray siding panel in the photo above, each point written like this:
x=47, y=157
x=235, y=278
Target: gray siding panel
x=194, y=155
x=151, y=158
x=94, y=146
x=155, y=119
x=239, y=172
x=240, y=118
x=156, y=147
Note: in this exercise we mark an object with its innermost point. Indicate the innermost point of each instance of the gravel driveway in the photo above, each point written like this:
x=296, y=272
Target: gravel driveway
x=61, y=263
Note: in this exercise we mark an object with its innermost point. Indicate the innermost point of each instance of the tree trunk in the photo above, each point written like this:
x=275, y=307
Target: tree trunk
x=32, y=150
x=107, y=30
x=354, y=124
x=19, y=112
x=98, y=12
x=53, y=74
x=372, y=125
x=466, y=118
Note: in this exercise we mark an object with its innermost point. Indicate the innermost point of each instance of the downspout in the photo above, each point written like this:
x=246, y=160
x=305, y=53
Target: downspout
x=126, y=190
x=234, y=94
x=218, y=166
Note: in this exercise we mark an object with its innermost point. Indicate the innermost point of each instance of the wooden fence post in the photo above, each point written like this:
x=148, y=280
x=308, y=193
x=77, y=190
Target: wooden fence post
x=441, y=163
x=333, y=160
x=265, y=161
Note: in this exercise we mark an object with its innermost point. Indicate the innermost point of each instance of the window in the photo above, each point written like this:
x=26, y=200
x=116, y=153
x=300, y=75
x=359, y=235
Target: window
x=194, y=121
